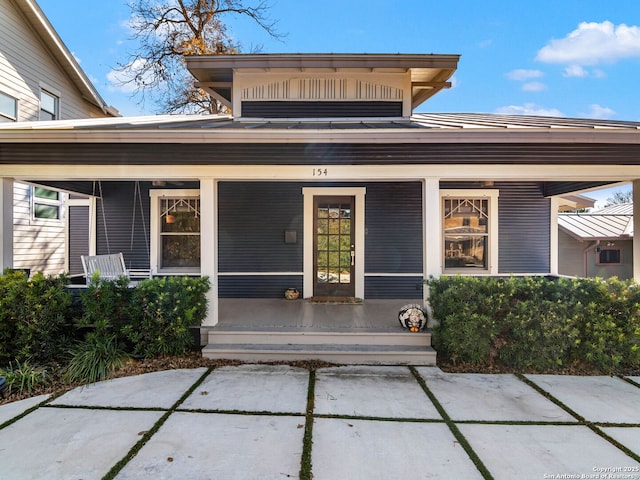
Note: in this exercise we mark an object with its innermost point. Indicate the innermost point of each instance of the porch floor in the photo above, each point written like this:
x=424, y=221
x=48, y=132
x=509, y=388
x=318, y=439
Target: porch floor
x=266, y=314
x=288, y=330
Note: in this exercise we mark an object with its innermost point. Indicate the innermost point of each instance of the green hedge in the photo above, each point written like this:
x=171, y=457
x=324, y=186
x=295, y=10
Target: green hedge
x=537, y=323
x=40, y=323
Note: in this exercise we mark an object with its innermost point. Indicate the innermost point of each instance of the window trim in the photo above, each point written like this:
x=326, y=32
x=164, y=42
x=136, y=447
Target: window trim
x=492, y=228
x=13, y=118
x=609, y=264
x=155, y=244
x=56, y=97
x=34, y=200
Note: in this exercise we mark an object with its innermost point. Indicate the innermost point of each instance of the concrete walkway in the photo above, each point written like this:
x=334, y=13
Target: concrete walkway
x=365, y=422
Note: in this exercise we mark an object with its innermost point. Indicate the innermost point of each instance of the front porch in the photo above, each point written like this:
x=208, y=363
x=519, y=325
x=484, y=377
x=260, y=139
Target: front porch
x=286, y=330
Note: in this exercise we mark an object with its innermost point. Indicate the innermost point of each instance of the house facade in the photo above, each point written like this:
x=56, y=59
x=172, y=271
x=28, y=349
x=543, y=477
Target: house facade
x=40, y=80
x=324, y=179
x=597, y=243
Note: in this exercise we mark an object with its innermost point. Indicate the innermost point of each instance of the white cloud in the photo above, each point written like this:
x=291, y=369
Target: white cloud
x=529, y=109
x=592, y=44
x=575, y=71
x=600, y=112
x=125, y=80
x=534, y=87
x=485, y=43
x=522, y=74
x=599, y=73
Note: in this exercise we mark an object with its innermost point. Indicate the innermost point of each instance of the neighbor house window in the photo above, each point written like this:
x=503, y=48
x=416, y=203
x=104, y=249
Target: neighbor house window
x=469, y=225
x=49, y=106
x=609, y=257
x=176, y=227
x=46, y=204
x=8, y=108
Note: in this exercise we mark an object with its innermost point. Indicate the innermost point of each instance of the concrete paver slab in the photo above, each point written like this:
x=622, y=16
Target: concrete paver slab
x=596, y=398
x=363, y=449
x=386, y=392
x=151, y=390
x=252, y=388
x=224, y=446
x=13, y=409
x=627, y=436
x=490, y=397
x=70, y=443
x=542, y=451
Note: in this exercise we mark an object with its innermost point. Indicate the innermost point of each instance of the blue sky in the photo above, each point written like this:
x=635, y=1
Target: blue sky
x=574, y=58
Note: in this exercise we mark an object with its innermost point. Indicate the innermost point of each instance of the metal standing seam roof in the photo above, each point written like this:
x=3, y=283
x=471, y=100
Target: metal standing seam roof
x=610, y=223
x=428, y=121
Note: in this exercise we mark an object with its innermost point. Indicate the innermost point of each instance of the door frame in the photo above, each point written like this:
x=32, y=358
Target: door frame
x=308, y=194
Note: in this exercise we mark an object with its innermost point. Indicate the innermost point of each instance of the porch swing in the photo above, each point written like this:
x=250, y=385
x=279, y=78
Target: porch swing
x=112, y=266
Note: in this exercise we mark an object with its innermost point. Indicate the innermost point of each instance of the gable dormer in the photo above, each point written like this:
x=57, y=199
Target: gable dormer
x=322, y=85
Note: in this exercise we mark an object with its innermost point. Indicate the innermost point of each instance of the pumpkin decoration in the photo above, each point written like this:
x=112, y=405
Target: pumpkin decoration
x=291, y=293
x=412, y=317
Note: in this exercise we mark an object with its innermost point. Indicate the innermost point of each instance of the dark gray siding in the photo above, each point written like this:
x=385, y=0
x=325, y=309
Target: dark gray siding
x=394, y=228
x=257, y=286
x=252, y=220
x=78, y=237
x=558, y=188
x=524, y=218
x=122, y=220
x=302, y=109
x=319, y=154
x=393, y=287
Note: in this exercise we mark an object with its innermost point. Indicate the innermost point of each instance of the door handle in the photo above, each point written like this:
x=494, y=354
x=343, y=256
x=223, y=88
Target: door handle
x=353, y=256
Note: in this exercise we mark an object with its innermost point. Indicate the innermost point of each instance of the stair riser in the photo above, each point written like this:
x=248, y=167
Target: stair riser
x=344, y=358
x=221, y=338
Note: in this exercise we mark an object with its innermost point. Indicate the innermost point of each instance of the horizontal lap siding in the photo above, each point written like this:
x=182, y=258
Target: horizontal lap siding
x=118, y=215
x=524, y=229
x=252, y=220
x=320, y=109
x=257, y=286
x=393, y=287
x=79, y=239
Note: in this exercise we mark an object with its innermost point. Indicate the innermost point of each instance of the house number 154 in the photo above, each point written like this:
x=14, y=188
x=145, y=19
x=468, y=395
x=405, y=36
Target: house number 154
x=320, y=172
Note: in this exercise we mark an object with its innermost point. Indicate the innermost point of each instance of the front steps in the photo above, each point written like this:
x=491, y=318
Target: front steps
x=366, y=347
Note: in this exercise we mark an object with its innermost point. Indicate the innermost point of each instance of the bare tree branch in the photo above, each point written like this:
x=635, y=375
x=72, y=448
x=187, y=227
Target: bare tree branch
x=166, y=31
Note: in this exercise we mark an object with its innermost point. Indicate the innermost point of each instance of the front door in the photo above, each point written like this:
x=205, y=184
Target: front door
x=334, y=246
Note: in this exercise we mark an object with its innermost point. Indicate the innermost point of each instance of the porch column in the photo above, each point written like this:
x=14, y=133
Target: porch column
x=432, y=228
x=209, y=245
x=553, y=236
x=636, y=230
x=6, y=223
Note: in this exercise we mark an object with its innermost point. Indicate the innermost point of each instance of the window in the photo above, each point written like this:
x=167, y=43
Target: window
x=49, y=106
x=46, y=204
x=609, y=257
x=8, y=108
x=176, y=227
x=470, y=231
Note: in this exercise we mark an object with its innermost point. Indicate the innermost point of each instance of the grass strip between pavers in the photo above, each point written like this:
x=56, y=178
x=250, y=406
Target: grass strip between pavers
x=307, y=441
x=593, y=426
x=111, y=474
x=452, y=426
x=43, y=403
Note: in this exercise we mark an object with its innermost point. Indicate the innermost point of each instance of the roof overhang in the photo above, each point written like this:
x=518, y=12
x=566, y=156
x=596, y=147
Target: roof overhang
x=429, y=72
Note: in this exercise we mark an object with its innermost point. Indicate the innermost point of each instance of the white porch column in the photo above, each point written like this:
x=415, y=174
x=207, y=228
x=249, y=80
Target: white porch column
x=636, y=230
x=553, y=236
x=432, y=248
x=209, y=244
x=6, y=223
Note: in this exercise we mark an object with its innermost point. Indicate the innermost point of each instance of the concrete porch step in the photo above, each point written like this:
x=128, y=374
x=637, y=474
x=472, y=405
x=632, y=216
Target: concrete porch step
x=219, y=336
x=333, y=353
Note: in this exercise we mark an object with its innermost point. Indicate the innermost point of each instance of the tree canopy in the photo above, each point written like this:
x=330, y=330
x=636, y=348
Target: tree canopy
x=620, y=196
x=166, y=31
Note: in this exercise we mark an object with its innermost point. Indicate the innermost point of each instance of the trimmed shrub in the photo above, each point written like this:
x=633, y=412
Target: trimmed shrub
x=162, y=311
x=33, y=316
x=536, y=323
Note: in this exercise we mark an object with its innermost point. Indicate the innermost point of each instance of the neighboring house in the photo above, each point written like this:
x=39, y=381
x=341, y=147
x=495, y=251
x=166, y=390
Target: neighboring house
x=40, y=80
x=324, y=179
x=597, y=243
